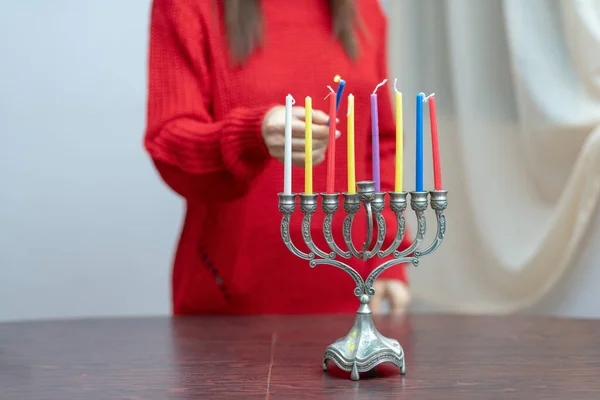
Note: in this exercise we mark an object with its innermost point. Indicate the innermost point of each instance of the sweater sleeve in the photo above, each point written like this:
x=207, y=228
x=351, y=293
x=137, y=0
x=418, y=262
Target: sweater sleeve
x=192, y=151
x=387, y=151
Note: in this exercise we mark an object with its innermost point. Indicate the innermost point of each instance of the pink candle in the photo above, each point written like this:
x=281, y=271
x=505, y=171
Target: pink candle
x=331, y=147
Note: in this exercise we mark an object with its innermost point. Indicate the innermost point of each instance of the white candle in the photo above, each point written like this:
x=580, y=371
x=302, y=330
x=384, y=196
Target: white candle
x=287, y=157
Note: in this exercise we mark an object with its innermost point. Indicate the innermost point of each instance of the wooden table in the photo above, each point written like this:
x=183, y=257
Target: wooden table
x=448, y=357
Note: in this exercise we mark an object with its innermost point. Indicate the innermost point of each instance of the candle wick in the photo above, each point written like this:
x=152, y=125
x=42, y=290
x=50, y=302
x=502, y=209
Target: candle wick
x=348, y=113
x=331, y=91
x=395, y=87
x=293, y=100
x=426, y=99
x=379, y=85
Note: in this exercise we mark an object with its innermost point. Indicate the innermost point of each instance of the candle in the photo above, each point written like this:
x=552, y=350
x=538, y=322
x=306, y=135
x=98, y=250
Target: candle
x=338, y=95
x=340, y=91
x=375, y=138
x=287, y=154
x=351, y=167
x=308, y=146
x=331, y=147
x=435, y=147
x=399, y=140
x=419, y=146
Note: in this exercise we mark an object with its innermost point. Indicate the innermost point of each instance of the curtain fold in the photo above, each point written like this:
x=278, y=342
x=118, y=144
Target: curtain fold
x=518, y=88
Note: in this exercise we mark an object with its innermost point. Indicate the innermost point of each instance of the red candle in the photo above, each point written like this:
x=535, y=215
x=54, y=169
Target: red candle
x=331, y=148
x=435, y=147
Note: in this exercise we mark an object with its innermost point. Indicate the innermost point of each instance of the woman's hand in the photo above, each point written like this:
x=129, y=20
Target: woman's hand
x=393, y=290
x=273, y=132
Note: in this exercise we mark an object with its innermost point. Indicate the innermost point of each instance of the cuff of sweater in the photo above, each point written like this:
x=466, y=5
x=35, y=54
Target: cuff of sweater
x=243, y=147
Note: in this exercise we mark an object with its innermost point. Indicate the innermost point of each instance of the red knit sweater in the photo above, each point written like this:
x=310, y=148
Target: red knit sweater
x=204, y=136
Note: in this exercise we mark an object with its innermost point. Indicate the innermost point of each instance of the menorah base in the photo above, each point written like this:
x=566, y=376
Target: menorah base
x=364, y=347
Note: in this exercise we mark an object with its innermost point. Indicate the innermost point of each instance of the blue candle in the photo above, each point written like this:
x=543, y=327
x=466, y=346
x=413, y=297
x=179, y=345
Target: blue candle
x=340, y=91
x=338, y=94
x=419, y=157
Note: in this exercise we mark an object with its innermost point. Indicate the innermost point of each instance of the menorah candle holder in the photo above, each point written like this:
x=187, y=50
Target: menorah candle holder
x=363, y=348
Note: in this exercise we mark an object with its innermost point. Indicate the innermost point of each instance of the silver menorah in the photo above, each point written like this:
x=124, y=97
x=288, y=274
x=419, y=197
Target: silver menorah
x=363, y=348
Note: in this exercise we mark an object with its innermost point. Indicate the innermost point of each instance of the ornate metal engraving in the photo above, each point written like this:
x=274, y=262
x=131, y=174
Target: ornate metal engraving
x=364, y=347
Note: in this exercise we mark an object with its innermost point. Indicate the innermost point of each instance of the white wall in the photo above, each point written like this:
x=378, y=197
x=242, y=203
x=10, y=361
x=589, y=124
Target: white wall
x=86, y=226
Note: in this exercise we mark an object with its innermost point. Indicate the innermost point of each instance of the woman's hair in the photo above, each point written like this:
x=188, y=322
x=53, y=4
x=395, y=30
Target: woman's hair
x=243, y=21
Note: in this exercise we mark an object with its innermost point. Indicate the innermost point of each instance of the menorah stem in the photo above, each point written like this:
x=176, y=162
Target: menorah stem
x=366, y=192
x=369, y=238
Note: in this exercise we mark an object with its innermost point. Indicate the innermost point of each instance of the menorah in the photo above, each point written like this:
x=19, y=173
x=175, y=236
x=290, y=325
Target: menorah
x=363, y=348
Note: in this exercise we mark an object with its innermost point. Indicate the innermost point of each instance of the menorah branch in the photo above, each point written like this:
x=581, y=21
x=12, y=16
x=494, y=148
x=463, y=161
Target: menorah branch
x=367, y=244
x=439, y=202
x=418, y=203
x=381, y=268
x=330, y=206
x=308, y=205
x=378, y=205
x=287, y=206
x=358, y=280
x=351, y=207
x=397, y=205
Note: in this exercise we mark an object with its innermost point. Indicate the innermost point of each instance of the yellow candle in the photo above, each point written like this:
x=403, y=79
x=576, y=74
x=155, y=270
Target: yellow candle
x=308, y=146
x=351, y=166
x=399, y=142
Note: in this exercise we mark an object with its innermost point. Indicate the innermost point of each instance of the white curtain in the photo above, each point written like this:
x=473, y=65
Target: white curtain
x=518, y=91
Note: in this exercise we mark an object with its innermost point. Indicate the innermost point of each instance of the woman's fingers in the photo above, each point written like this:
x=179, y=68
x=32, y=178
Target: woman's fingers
x=318, y=117
x=376, y=302
x=320, y=132
x=320, y=136
x=398, y=294
x=299, y=130
x=298, y=112
x=299, y=145
x=318, y=157
x=298, y=157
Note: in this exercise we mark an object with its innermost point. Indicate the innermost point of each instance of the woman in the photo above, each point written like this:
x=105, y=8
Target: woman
x=219, y=74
